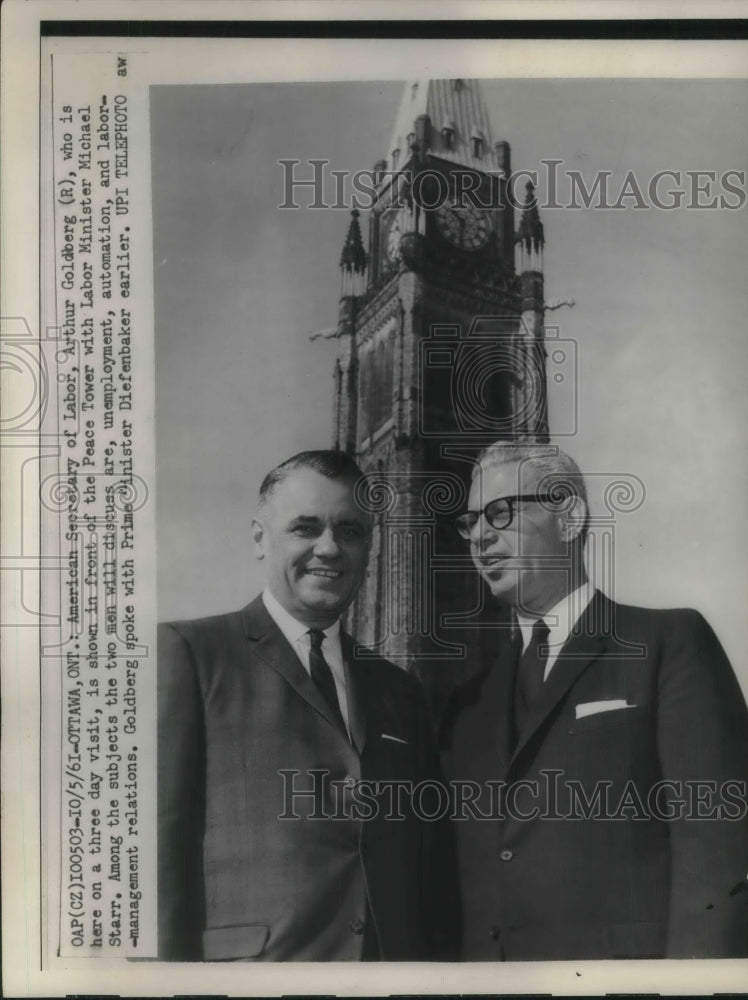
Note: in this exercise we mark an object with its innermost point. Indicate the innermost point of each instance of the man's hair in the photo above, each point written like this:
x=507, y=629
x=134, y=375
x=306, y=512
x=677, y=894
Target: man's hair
x=556, y=472
x=329, y=463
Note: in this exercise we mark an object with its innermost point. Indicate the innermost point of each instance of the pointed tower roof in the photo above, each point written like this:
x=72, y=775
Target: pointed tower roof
x=353, y=257
x=530, y=232
x=456, y=105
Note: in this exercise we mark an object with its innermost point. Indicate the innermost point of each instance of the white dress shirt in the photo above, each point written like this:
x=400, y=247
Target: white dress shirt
x=301, y=642
x=560, y=620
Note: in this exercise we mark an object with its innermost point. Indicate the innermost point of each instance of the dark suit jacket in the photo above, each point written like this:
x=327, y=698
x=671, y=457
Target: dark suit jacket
x=236, y=707
x=638, y=885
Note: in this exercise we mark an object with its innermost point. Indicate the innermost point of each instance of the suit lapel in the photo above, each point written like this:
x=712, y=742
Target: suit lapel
x=357, y=698
x=484, y=705
x=271, y=646
x=500, y=696
x=581, y=649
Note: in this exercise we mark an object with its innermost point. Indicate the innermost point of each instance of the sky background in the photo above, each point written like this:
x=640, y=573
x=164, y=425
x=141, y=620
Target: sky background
x=659, y=322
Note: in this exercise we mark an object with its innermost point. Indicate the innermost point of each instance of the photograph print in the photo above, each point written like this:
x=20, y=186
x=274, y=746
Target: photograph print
x=449, y=410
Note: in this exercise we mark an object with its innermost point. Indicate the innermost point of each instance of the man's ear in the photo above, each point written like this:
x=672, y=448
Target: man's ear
x=258, y=534
x=574, y=518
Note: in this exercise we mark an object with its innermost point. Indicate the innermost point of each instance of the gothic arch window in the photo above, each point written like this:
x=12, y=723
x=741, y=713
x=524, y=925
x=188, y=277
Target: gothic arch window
x=478, y=145
x=448, y=135
x=375, y=385
x=379, y=385
x=395, y=158
x=389, y=368
x=364, y=383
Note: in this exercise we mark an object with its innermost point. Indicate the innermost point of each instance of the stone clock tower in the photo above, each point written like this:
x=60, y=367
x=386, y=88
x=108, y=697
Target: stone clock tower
x=441, y=353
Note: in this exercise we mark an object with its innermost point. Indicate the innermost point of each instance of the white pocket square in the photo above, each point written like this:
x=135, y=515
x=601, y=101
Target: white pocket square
x=594, y=707
x=395, y=739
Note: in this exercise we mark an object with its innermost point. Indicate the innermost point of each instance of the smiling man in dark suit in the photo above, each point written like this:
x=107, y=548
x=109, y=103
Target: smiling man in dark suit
x=601, y=757
x=269, y=720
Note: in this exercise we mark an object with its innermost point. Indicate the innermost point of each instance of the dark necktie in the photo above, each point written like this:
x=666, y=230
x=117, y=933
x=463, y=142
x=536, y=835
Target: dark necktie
x=531, y=672
x=322, y=674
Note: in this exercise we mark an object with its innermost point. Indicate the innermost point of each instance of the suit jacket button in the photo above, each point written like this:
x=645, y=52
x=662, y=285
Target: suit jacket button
x=494, y=933
x=357, y=926
x=506, y=855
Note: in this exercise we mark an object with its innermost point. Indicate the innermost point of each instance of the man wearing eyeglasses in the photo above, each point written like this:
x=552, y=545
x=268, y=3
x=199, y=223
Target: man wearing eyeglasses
x=600, y=758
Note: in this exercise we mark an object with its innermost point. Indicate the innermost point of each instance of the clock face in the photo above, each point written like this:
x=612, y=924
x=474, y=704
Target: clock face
x=465, y=227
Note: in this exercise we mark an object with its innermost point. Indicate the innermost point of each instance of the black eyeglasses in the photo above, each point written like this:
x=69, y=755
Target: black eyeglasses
x=499, y=513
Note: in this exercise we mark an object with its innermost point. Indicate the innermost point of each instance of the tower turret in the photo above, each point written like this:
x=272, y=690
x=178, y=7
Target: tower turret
x=353, y=259
x=345, y=378
x=531, y=403
x=530, y=235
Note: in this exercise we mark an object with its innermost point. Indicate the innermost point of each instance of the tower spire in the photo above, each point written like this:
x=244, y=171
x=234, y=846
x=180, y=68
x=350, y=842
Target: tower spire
x=530, y=233
x=353, y=259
